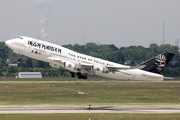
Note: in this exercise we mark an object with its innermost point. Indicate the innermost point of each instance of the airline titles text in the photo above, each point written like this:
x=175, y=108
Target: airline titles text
x=45, y=47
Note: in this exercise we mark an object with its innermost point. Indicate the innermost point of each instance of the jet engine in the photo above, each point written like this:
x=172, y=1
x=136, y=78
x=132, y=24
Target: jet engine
x=69, y=66
x=100, y=69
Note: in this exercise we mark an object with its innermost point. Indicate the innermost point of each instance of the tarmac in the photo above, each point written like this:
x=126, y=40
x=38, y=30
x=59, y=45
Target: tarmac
x=84, y=110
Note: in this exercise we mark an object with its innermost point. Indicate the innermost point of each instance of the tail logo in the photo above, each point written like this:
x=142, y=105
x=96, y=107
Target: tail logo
x=160, y=63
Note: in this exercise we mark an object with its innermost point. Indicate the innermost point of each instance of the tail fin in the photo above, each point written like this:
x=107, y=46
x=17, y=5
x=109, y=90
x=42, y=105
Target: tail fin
x=156, y=64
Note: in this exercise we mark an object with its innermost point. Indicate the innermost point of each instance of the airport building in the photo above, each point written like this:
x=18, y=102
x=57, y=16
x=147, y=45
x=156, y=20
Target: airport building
x=30, y=75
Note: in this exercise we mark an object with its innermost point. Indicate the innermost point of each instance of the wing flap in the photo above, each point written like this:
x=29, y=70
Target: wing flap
x=86, y=65
x=56, y=59
x=168, y=78
x=119, y=67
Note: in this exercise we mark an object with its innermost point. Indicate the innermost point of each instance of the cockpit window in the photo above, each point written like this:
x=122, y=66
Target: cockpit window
x=20, y=37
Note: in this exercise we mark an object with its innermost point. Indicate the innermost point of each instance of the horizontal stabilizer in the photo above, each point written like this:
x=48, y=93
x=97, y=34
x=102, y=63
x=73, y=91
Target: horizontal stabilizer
x=168, y=78
x=153, y=77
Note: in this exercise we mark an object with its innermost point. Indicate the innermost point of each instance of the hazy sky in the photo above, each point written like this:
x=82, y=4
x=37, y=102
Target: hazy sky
x=119, y=22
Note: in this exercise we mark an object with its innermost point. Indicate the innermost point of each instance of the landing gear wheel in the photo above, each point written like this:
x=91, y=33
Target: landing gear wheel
x=79, y=77
x=72, y=74
x=20, y=60
x=85, y=77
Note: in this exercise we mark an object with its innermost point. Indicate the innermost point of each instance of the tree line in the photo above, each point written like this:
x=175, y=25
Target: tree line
x=107, y=52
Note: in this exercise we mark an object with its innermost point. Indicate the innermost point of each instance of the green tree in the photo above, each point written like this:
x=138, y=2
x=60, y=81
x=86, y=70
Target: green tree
x=12, y=70
x=29, y=62
x=154, y=47
x=131, y=54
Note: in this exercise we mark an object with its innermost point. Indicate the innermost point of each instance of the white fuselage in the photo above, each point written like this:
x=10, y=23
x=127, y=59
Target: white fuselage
x=47, y=52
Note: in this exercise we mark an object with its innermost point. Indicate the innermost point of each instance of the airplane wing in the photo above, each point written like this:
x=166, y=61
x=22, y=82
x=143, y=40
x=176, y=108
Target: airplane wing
x=109, y=67
x=86, y=67
x=113, y=69
x=117, y=68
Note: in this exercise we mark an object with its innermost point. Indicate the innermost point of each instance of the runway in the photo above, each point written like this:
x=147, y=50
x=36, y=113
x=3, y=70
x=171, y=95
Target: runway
x=83, y=110
x=78, y=81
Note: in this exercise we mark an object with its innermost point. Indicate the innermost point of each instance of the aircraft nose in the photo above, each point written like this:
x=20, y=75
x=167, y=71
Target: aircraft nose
x=7, y=42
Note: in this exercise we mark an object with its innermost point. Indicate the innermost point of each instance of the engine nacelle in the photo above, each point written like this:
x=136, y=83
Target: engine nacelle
x=69, y=66
x=100, y=69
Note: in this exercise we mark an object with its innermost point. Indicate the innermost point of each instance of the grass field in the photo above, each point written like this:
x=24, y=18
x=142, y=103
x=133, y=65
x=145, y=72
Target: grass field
x=60, y=78
x=99, y=94
x=125, y=116
x=79, y=94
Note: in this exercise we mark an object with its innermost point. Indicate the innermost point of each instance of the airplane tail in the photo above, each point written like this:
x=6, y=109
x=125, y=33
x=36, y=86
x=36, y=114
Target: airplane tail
x=156, y=64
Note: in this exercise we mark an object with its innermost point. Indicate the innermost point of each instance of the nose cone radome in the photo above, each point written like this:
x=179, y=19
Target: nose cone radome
x=8, y=42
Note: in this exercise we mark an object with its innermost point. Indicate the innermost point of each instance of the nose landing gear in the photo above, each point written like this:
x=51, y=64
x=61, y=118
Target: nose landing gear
x=20, y=60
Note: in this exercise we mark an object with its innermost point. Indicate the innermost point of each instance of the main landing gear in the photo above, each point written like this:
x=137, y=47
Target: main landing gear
x=80, y=76
x=72, y=74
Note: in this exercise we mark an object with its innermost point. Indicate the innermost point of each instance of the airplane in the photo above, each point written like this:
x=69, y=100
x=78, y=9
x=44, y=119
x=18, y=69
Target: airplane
x=81, y=65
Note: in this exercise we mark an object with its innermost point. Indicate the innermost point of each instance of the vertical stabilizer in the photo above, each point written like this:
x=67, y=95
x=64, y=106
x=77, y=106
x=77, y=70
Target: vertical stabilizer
x=156, y=64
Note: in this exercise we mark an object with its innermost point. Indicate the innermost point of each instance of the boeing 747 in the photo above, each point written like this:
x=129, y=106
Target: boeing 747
x=81, y=65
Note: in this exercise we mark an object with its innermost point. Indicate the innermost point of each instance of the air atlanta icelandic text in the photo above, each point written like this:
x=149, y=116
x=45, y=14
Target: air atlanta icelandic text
x=45, y=47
